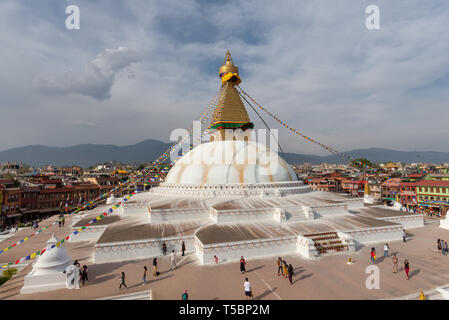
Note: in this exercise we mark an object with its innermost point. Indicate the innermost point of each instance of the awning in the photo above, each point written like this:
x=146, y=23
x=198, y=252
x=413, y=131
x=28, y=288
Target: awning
x=13, y=215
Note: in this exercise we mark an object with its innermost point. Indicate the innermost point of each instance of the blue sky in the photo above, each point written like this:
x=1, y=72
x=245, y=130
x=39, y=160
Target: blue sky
x=138, y=69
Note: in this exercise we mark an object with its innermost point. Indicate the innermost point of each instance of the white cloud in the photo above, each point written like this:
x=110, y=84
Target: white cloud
x=97, y=77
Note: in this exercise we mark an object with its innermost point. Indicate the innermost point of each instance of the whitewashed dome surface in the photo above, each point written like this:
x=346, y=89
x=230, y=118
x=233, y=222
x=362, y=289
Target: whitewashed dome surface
x=230, y=162
x=53, y=260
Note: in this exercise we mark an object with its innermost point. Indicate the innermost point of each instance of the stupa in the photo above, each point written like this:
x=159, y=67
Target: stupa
x=233, y=196
x=47, y=273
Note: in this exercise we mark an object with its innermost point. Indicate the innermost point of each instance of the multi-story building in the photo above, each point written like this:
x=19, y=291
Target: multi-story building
x=391, y=189
x=11, y=204
x=407, y=194
x=29, y=204
x=433, y=196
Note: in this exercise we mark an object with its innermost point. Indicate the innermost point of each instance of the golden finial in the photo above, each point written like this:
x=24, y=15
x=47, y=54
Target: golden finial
x=228, y=65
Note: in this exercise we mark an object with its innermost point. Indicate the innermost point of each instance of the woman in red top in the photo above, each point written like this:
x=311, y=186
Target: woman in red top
x=373, y=255
x=406, y=267
x=242, y=265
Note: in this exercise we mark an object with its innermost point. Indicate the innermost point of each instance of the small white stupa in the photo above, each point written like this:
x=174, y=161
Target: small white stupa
x=111, y=200
x=47, y=273
x=367, y=197
x=398, y=205
x=444, y=223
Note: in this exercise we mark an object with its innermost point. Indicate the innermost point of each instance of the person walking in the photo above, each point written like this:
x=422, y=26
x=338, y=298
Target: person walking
x=155, y=273
x=404, y=235
x=248, y=289
x=407, y=268
x=285, y=268
x=164, y=248
x=122, y=281
x=446, y=248
x=216, y=259
x=63, y=220
x=386, y=249
x=84, y=275
x=17, y=228
x=144, y=278
x=395, y=263
x=439, y=245
x=185, y=295
x=172, y=260
x=279, y=261
x=443, y=249
x=183, y=248
x=242, y=265
x=290, y=273
x=373, y=255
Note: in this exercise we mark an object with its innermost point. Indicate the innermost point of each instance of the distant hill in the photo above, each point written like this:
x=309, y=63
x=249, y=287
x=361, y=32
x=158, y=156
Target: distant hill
x=374, y=155
x=86, y=155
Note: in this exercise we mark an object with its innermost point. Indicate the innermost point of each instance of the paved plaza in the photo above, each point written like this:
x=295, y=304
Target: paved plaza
x=329, y=277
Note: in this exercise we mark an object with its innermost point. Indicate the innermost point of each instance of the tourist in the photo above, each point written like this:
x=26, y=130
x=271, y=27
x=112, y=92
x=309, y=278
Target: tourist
x=155, y=272
x=404, y=236
x=164, y=248
x=122, y=281
x=446, y=247
x=185, y=295
x=144, y=278
x=216, y=259
x=285, y=268
x=280, y=267
x=373, y=255
x=17, y=227
x=395, y=263
x=242, y=265
x=439, y=245
x=248, y=289
x=290, y=273
x=386, y=249
x=443, y=249
x=183, y=248
x=172, y=260
x=84, y=275
x=406, y=268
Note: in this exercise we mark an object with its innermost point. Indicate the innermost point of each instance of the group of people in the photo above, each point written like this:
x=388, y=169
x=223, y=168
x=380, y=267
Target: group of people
x=183, y=248
x=155, y=270
x=395, y=259
x=284, y=269
x=442, y=246
x=82, y=272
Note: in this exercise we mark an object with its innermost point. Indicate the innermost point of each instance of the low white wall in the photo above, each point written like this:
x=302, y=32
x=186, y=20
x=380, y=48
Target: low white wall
x=306, y=247
x=373, y=235
x=232, y=251
x=330, y=209
x=157, y=216
x=140, y=249
x=407, y=221
x=444, y=223
x=91, y=233
x=241, y=215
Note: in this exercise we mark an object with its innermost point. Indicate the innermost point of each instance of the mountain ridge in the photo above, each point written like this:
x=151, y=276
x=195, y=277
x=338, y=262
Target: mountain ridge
x=88, y=154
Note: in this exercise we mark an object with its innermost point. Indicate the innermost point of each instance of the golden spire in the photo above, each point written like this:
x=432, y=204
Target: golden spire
x=367, y=190
x=230, y=112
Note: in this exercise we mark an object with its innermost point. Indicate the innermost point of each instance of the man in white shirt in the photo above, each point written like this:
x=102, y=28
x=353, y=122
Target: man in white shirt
x=172, y=260
x=386, y=249
x=248, y=290
x=404, y=236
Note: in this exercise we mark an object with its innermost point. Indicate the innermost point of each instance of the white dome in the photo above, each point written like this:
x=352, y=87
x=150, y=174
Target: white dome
x=229, y=161
x=53, y=260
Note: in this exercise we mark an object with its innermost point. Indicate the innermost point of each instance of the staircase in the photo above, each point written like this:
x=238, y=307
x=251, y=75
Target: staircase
x=327, y=242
